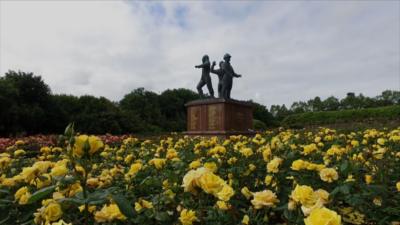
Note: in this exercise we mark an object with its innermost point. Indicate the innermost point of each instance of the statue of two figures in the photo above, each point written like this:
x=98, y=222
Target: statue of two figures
x=225, y=75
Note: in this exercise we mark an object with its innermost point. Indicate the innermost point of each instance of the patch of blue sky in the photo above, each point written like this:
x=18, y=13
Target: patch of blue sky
x=180, y=15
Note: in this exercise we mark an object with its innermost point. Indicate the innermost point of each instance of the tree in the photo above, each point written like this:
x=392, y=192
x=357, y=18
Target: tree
x=144, y=104
x=30, y=96
x=330, y=104
x=172, y=105
x=261, y=113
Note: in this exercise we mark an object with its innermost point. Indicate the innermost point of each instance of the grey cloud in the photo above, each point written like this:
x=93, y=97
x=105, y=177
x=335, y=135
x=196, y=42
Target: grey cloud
x=286, y=51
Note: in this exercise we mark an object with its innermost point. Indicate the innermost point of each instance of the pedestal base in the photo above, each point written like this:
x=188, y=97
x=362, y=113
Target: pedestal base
x=219, y=117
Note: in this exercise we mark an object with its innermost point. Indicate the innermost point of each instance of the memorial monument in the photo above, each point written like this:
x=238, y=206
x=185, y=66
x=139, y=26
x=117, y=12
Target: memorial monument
x=220, y=116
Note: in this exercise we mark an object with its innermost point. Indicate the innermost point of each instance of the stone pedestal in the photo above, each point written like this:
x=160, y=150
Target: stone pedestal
x=220, y=117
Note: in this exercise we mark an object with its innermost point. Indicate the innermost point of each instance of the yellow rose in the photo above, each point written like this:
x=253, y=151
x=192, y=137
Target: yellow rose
x=52, y=211
x=171, y=153
x=298, y=165
x=222, y=205
x=109, y=213
x=187, y=217
x=268, y=180
x=158, y=163
x=245, y=220
x=138, y=206
x=19, y=152
x=147, y=204
x=273, y=166
x=323, y=216
x=398, y=186
x=94, y=142
x=59, y=170
x=190, y=179
x=355, y=143
x=308, y=149
x=134, y=169
x=328, y=175
x=368, y=179
x=211, y=166
x=264, y=198
x=211, y=183
x=80, y=141
x=381, y=141
x=266, y=153
x=226, y=193
x=246, y=192
x=195, y=164
x=22, y=195
x=305, y=195
x=246, y=152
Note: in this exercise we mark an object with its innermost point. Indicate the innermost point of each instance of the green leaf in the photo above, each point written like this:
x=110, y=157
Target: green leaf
x=74, y=200
x=42, y=193
x=162, y=216
x=124, y=205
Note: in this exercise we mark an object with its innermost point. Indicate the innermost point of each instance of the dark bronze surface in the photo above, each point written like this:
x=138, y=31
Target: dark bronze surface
x=222, y=117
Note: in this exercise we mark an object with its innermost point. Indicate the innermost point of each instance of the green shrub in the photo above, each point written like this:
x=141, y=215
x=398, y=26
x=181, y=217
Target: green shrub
x=343, y=116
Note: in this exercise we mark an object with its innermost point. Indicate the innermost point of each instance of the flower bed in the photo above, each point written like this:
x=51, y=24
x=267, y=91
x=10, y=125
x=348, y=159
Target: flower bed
x=282, y=177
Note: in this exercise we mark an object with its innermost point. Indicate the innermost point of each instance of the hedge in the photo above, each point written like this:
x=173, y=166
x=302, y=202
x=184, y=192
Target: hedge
x=342, y=116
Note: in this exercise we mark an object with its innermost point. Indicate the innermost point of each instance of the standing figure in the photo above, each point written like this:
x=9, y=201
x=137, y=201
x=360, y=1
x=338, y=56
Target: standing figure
x=205, y=77
x=220, y=73
x=227, y=79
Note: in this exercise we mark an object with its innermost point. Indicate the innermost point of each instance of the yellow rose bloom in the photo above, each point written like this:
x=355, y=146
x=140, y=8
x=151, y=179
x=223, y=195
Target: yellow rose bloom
x=226, y=193
x=60, y=170
x=246, y=152
x=134, y=169
x=109, y=213
x=264, y=198
x=94, y=142
x=328, y=175
x=368, y=179
x=268, y=180
x=190, y=179
x=222, y=205
x=211, y=183
x=19, y=152
x=245, y=220
x=246, y=192
x=212, y=166
x=22, y=195
x=398, y=186
x=323, y=216
x=52, y=211
x=195, y=164
x=158, y=163
x=305, y=195
x=273, y=166
x=187, y=217
x=381, y=141
x=298, y=164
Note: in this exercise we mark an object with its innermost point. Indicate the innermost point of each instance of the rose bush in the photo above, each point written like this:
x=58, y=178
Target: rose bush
x=276, y=177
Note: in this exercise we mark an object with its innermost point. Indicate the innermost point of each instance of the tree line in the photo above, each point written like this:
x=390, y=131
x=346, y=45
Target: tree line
x=351, y=101
x=27, y=106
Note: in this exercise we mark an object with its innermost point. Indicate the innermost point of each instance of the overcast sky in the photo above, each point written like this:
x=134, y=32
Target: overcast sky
x=286, y=50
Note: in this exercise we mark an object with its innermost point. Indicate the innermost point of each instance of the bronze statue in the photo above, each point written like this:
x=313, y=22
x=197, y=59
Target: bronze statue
x=228, y=74
x=220, y=73
x=205, y=77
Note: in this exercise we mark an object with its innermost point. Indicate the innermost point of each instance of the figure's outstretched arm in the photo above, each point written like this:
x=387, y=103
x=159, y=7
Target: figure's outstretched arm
x=206, y=64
